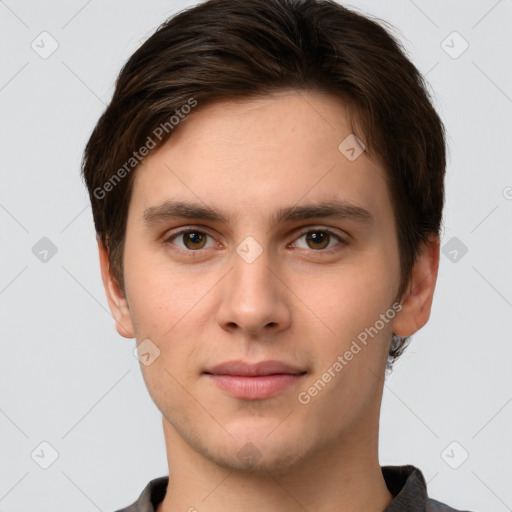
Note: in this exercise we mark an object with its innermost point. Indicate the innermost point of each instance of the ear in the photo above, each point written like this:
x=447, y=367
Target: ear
x=116, y=300
x=417, y=300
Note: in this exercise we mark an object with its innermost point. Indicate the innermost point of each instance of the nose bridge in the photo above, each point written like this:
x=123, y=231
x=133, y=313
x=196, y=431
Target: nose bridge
x=252, y=298
x=251, y=276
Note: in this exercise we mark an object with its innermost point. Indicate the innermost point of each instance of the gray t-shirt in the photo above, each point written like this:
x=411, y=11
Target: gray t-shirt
x=405, y=483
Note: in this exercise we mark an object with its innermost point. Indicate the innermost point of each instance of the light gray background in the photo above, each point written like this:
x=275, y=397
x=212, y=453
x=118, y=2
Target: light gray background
x=67, y=378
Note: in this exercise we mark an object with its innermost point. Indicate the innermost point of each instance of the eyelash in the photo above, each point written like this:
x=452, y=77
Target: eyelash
x=342, y=242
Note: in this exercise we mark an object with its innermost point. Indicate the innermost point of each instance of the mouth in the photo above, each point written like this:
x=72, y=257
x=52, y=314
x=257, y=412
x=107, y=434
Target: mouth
x=262, y=368
x=258, y=381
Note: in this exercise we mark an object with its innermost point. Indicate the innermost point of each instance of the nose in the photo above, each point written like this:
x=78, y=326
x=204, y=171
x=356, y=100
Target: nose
x=255, y=297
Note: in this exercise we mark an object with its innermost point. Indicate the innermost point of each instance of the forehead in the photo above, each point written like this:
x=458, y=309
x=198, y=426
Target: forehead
x=255, y=156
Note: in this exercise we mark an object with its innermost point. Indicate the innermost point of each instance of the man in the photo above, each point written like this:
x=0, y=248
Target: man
x=267, y=190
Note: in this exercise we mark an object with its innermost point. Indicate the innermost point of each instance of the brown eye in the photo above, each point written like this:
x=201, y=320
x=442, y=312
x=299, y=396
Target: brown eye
x=317, y=239
x=194, y=240
x=191, y=239
x=320, y=239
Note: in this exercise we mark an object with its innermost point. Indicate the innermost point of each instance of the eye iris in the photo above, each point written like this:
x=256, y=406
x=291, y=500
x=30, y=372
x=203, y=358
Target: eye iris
x=195, y=237
x=318, y=237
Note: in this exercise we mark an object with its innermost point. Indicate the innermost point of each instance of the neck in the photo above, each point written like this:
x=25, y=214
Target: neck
x=343, y=478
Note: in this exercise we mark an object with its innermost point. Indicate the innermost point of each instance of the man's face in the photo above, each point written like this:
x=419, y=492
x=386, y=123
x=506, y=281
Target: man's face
x=253, y=288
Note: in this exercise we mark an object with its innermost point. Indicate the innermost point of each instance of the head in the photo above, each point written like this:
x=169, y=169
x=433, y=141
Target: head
x=247, y=110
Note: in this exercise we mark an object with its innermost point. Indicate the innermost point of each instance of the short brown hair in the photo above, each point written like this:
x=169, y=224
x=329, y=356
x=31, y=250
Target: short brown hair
x=222, y=49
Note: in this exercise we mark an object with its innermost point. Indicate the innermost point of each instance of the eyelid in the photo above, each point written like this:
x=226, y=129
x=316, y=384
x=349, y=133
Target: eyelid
x=319, y=227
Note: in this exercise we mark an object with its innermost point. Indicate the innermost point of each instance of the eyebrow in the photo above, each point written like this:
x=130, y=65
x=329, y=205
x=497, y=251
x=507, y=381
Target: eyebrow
x=334, y=209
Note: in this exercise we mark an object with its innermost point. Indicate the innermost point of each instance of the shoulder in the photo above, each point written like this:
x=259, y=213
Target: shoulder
x=408, y=486
x=437, y=506
x=151, y=496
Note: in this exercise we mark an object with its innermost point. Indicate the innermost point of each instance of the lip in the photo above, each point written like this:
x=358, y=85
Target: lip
x=262, y=368
x=255, y=388
x=254, y=381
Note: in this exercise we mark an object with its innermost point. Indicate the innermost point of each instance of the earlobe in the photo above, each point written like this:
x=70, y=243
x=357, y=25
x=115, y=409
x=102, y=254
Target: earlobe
x=116, y=300
x=417, y=300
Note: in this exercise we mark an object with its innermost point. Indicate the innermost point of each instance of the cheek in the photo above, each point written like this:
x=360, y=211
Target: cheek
x=160, y=295
x=169, y=308
x=166, y=310
x=344, y=313
x=160, y=305
x=348, y=297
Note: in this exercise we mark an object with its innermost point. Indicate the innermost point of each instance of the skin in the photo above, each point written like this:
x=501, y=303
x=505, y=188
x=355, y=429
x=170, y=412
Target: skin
x=298, y=302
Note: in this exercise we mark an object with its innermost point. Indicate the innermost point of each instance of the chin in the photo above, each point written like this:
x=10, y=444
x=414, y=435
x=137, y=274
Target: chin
x=261, y=451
